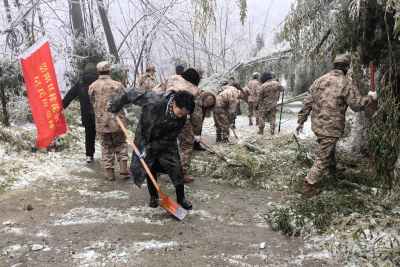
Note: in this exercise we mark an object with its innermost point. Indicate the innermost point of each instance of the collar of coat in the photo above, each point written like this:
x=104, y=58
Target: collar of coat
x=104, y=77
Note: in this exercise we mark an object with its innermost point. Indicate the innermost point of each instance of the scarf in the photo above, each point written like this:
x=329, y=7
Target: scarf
x=169, y=112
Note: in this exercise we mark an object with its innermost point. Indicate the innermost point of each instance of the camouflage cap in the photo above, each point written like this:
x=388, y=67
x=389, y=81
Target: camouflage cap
x=104, y=66
x=150, y=67
x=256, y=74
x=342, y=58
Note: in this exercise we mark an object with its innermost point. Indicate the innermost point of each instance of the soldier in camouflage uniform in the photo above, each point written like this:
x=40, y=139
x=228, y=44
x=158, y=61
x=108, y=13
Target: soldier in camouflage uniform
x=111, y=136
x=266, y=100
x=328, y=98
x=163, y=116
x=254, y=87
x=224, y=113
x=146, y=80
x=187, y=81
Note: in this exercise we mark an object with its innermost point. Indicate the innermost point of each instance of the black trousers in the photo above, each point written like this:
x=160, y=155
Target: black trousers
x=90, y=137
x=180, y=189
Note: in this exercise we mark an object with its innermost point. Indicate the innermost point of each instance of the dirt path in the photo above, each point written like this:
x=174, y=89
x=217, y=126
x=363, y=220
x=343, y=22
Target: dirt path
x=87, y=221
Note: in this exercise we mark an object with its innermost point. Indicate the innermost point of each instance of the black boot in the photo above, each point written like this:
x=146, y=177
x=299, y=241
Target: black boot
x=197, y=146
x=180, y=197
x=153, y=202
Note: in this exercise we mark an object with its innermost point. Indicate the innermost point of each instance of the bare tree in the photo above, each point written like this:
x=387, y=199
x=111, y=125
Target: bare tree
x=77, y=18
x=107, y=30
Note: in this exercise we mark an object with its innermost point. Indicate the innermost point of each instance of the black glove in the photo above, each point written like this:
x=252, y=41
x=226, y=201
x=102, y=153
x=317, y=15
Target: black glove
x=112, y=108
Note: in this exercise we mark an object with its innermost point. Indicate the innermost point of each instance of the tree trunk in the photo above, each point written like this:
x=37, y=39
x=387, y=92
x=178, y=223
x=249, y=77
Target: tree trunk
x=77, y=19
x=4, y=100
x=107, y=30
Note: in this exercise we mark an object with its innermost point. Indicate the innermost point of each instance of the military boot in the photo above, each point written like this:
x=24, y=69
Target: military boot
x=250, y=122
x=335, y=169
x=225, y=140
x=309, y=190
x=257, y=121
x=123, y=170
x=110, y=174
x=180, y=197
x=260, y=131
x=219, y=139
x=187, y=178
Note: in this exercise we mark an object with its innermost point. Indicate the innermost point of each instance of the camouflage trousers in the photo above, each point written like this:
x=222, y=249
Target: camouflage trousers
x=252, y=109
x=186, y=142
x=325, y=158
x=267, y=114
x=110, y=142
x=221, y=123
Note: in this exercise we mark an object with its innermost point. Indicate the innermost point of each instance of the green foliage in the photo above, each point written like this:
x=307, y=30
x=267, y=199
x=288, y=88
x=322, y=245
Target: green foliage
x=11, y=82
x=204, y=16
x=305, y=213
x=84, y=51
x=384, y=140
x=243, y=9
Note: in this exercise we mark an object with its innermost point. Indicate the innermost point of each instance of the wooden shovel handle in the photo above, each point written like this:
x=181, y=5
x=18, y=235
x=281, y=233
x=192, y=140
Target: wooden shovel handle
x=234, y=132
x=124, y=77
x=213, y=150
x=138, y=153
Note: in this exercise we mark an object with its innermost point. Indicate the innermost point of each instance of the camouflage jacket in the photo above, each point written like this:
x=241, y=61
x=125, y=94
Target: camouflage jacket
x=177, y=83
x=156, y=133
x=102, y=92
x=268, y=94
x=328, y=99
x=227, y=101
x=254, y=87
x=146, y=82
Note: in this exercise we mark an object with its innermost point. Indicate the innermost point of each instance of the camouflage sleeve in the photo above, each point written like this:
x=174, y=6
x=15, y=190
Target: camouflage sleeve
x=151, y=83
x=197, y=117
x=259, y=95
x=232, y=109
x=91, y=95
x=306, y=106
x=354, y=99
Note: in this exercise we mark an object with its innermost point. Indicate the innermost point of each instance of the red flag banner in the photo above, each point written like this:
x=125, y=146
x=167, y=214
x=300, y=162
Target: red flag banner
x=43, y=93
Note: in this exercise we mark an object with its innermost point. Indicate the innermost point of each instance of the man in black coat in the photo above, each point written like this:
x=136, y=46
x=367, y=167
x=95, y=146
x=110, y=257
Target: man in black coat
x=163, y=116
x=80, y=89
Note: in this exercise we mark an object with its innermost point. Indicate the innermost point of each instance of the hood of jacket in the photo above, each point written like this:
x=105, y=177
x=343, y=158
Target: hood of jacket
x=90, y=76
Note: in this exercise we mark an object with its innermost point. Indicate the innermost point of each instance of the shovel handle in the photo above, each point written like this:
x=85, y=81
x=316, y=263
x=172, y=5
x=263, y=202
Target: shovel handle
x=213, y=150
x=124, y=77
x=371, y=65
x=138, y=153
x=234, y=132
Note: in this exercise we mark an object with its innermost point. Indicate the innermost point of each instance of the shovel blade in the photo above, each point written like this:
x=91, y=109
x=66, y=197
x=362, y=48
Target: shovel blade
x=173, y=208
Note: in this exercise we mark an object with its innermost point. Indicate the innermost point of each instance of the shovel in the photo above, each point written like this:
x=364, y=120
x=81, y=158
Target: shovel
x=210, y=148
x=280, y=117
x=234, y=132
x=167, y=203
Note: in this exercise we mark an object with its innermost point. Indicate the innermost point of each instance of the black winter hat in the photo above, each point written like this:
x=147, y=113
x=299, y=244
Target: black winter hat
x=266, y=76
x=191, y=76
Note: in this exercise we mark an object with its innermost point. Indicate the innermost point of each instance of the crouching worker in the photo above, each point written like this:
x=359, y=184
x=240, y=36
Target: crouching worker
x=163, y=116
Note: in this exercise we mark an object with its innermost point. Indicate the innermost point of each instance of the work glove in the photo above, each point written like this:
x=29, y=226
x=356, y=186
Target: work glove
x=231, y=125
x=373, y=94
x=112, y=110
x=197, y=138
x=142, y=154
x=299, y=129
